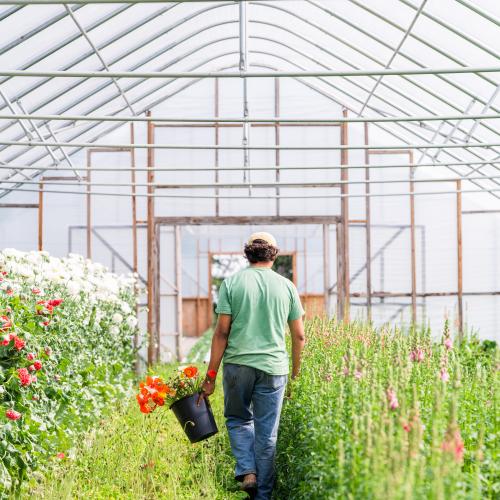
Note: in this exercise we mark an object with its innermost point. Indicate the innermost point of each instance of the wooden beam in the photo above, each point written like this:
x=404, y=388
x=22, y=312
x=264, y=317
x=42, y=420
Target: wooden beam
x=413, y=244
x=244, y=220
x=88, y=205
x=344, y=214
x=459, y=262
x=150, y=245
x=368, y=245
x=19, y=205
x=40, y=217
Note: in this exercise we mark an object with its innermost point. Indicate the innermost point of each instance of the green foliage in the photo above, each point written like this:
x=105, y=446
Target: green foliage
x=340, y=438
x=85, y=353
x=135, y=456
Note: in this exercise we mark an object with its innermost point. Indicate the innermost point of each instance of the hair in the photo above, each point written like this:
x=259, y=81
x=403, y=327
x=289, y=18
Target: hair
x=260, y=251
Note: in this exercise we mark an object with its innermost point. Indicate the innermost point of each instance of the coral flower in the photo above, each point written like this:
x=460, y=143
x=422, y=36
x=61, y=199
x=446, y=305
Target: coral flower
x=5, y=323
x=444, y=375
x=454, y=444
x=61, y=455
x=19, y=343
x=12, y=414
x=24, y=376
x=190, y=371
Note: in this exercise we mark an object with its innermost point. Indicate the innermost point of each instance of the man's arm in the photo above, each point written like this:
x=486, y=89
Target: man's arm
x=298, y=341
x=219, y=344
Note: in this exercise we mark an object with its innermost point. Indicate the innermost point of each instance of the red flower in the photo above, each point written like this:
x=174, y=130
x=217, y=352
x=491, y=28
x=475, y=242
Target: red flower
x=19, y=343
x=55, y=302
x=12, y=414
x=190, y=371
x=24, y=376
x=5, y=340
x=30, y=356
x=5, y=323
x=61, y=455
x=38, y=365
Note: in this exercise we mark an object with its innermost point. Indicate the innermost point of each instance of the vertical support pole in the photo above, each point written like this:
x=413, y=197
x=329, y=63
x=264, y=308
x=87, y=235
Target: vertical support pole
x=340, y=271
x=412, y=236
x=216, y=130
x=277, y=140
x=306, y=295
x=134, y=200
x=459, y=261
x=178, y=284
x=210, y=301
x=368, y=230
x=89, y=207
x=40, y=216
x=344, y=213
x=156, y=289
x=326, y=268
x=151, y=236
x=243, y=66
x=198, y=322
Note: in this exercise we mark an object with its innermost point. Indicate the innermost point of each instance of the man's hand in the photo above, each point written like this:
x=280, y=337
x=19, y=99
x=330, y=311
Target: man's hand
x=207, y=389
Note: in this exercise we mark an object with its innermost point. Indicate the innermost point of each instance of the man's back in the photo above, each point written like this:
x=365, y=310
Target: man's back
x=260, y=302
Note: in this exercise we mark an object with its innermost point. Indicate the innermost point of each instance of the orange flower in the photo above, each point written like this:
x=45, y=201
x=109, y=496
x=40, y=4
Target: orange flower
x=190, y=371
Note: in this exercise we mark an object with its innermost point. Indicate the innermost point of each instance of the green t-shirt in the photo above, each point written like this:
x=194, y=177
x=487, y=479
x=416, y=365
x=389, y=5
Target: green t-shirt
x=261, y=302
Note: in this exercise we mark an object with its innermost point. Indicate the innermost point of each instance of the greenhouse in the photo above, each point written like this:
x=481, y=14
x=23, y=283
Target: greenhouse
x=156, y=157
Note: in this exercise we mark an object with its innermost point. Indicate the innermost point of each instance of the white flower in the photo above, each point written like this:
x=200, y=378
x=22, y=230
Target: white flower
x=132, y=321
x=117, y=318
x=114, y=330
x=126, y=308
x=73, y=288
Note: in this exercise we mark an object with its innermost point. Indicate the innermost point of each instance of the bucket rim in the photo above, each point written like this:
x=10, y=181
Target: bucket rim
x=183, y=398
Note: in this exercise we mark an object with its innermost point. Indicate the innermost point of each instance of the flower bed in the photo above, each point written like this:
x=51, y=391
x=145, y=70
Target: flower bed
x=390, y=414
x=66, y=351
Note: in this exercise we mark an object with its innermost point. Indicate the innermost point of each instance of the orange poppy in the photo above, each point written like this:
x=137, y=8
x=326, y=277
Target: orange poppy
x=190, y=371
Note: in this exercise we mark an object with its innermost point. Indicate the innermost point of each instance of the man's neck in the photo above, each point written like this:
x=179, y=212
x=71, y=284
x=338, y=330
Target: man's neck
x=266, y=265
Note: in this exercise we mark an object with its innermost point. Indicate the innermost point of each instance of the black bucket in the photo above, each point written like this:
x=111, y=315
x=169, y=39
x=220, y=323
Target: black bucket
x=197, y=421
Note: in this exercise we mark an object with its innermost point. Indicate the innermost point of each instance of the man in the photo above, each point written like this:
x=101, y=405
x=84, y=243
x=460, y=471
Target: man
x=254, y=306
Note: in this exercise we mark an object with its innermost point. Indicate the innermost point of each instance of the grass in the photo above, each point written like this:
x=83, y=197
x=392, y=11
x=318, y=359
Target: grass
x=136, y=456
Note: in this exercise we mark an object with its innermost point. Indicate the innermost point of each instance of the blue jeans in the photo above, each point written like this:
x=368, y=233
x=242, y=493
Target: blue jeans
x=252, y=407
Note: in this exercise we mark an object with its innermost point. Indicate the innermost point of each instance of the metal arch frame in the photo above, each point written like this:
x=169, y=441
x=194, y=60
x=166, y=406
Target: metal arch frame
x=197, y=13
x=389, y=132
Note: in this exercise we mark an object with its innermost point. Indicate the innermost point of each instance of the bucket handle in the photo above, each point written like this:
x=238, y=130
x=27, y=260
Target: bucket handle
x=189, y=422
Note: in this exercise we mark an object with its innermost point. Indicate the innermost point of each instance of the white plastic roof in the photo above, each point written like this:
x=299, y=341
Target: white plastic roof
x=307, y=35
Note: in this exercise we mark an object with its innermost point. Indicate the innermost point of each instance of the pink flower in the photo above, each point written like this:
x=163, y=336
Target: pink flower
x=392, y=399
x=406, y=426
x=36, y=291
x=31, y=368
x=19, y=343
x=48, y=351
x=61, y=455
x=12, y=414
x=448, y=343
x=6, y=340
x=444, y=375
x=417, y=355
x=37, y=364
x=30, y=356
x=358, y=374
x=5, y=323
x=24, y=376
x=345, y=371
x=454, y=444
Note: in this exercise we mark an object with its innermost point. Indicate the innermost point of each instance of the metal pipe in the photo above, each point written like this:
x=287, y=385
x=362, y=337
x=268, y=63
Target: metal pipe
x=249, y=74
x=291, y=197
x=194, y=168
x=260, y=147
x=276, y=119
x=243, y=67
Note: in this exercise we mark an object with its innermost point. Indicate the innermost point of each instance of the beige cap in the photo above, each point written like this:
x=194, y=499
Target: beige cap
x=267, y=237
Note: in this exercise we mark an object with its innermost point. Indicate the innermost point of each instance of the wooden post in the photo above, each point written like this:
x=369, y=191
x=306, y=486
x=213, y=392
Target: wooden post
x=277, y=140
x=40, y=217
x=89, y=207
x=134, y=200
x=412, y=236
x=368, y=230
x=459, y=261
x=151, y=244
x=344, y=214
x=198, y=325
x=178, y=284
x=326, y=268
x=340, y=272
x=216, y=152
